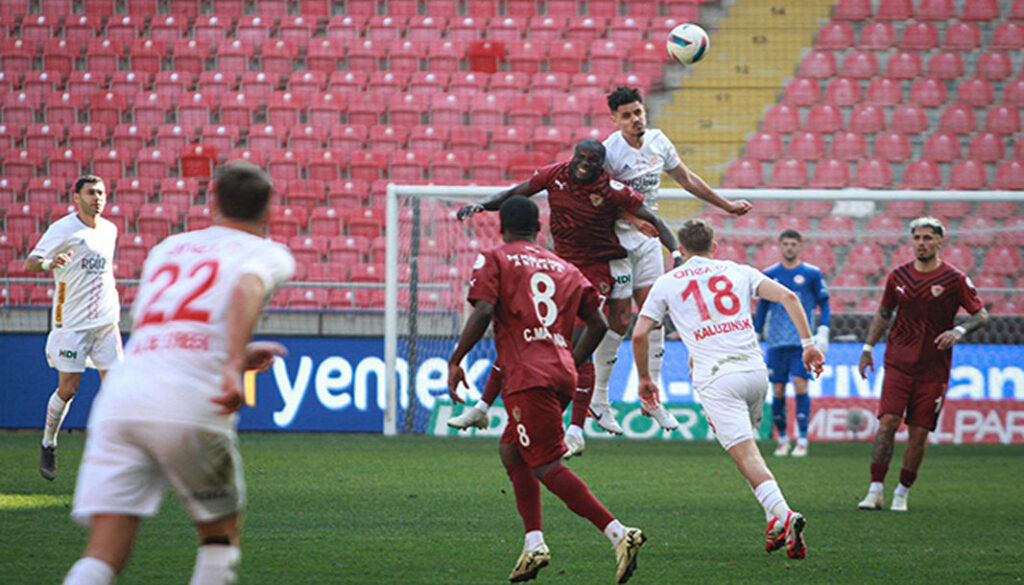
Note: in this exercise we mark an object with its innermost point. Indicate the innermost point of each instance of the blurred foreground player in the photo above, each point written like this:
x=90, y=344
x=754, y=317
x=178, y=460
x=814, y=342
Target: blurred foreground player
x=784, y=352
x=79, y=249
x=709, y=303
x=533, y=298
x=925, y=295
x=167, y=414
x=585, y=203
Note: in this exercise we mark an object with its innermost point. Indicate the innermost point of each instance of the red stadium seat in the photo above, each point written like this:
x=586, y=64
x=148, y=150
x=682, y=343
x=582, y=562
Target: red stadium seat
x=367, y=112
x=877, y=36
x=1009, y=176
x=942, y=147
x=968, y=174
x=994, y=209
x=836, y=230
x=860, y=65
x=834, y=36
x=788, y=173
x=277, y=55
x=977, y=230
x=842, y=91
x=552, y=139
x=1003, y=120
x=928, y=92
x=818, y=65
x=307, y=137
x=824, y=118
x=349, y=250
x=976, y=92
x=387, y=137
x=404, y=56
x=178, y=192
x=1013, y=93
x=1002, y=261
x=157, y=219
x=488, y=167
x=326, y=108
x=86, y=136
x=806, y=146
x=521, y=165
x=921, y=175
x=883, y=91
x=1014, y=232
x=945, y=65
x=781, y=118
x=44, y=191
x=854, y=10
x=905, y=208
x=1008, y=36
x=42, y=136
x=909, y=119
x=287, y=221
x=873, y=173
x=765, y=146
x=980, y=11
x=848, y=146
x=831, y=174
x=286, y=164
x=802, y=91
x=428, y=82
x=22, y=163
x=155, y=163
x=847, y=280
x=935, y=10
x=903, y=65
x=369, y=165
x=895, y=10
x=958, y=119
x=308, y=249
x=59, y=56
x=893, y=147
x=743, y=174
x=995, y=65
x=766, y=255
x=867, y=119
x=962, y=36
x=919, y=36
x=865, y=259
x=105, y=107
x=449, y=167
x=510, y=139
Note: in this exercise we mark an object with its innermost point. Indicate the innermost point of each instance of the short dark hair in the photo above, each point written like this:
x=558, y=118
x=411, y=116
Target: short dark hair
x=623, y=95
x=86, y=180
x=696, y=236
x=791, y=234
x=519, y=215
x=590, y=144
x=929, y=222
x=242, y=190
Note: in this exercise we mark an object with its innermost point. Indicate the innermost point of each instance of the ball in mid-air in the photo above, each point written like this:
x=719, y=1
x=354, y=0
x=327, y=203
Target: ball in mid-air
x=687, y=43
x=856, y=419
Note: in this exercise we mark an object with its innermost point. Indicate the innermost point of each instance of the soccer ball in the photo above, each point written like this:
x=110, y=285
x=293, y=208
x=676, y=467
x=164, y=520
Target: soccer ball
x=687, y=43
x=856, y=419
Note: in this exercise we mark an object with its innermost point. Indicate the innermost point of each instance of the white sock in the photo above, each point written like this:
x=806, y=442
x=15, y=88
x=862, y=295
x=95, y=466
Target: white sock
x=656, y=341
x=771, y=498
x=215, y=565
x=56, y=410
x=534, y=538
x=90, y=571
x=802, y=441
x=604, y=362
x=615, y=532
x=783, y=439
x=876, y=487
x=482, y=406
x=901, y=490
x=575, y=430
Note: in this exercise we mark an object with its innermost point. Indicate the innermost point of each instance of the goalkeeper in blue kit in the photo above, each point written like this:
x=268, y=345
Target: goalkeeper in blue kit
x=784, y=351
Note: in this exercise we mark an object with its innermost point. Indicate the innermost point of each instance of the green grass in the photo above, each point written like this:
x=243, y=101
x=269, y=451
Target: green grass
x=363, y=509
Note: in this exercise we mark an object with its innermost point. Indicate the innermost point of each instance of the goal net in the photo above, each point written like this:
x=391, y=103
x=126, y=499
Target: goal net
x=854, y=236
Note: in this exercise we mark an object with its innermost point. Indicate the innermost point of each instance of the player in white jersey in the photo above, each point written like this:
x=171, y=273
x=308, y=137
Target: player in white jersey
x=638, y=155
x=79, y=249
x=167, y=414
x=709, y=303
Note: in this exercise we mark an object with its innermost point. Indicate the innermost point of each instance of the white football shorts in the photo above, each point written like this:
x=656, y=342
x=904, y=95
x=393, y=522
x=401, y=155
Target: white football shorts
x=639, y=269
x=73, y=351
x=734, y=405
x=127, y=465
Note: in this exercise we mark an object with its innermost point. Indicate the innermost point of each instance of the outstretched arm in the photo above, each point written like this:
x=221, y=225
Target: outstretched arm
x=475, y=327
x=494, y=202
x=692, y=182
x=664, y=233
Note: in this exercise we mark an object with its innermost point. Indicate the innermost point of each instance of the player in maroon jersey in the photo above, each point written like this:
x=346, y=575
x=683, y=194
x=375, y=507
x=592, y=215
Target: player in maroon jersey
x=585, y=202
x=927, y=293
x=533, y=298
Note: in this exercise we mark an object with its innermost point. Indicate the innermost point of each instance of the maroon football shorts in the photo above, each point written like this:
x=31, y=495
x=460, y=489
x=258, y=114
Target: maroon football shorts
x=922, y=400
x=600, y=275
x=535, y=424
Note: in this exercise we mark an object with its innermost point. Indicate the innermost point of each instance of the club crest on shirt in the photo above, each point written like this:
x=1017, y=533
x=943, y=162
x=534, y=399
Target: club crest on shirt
x=516, y=413
x=596, y=200
x=937, y=290
x=798, y=279
x=603, y=287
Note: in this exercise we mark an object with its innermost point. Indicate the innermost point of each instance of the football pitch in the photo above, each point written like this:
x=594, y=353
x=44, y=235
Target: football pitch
x=366, y=509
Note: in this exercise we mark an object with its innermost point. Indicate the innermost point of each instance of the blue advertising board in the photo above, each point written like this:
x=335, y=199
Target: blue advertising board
x=336, y=384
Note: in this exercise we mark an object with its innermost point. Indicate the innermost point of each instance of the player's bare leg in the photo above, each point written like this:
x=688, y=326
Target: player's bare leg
x=526, y=488
x=110, y=544
x=219, y=552
x=605, y=357
x=56, y=409
x=785, y=527
x=917, y=441
x=881, y=454
x=803, y=415
x=779, y=418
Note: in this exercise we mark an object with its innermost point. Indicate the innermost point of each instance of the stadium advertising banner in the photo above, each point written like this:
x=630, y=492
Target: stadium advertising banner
x=336, y=384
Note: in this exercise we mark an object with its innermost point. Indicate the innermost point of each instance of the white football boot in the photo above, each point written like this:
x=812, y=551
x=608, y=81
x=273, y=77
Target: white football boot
x=471, y=417
x=782, y=450
x=899, y=502
x=799, y=451
x=663, y=417
x=872, y=501
x=575, y=445
x=604, y=416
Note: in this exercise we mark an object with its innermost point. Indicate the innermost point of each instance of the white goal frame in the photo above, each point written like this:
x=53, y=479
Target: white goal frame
x=395, y=191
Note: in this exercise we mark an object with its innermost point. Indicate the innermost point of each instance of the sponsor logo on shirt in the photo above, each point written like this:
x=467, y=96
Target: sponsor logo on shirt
x=93, y=264
x=937, y=290
x=622, y=279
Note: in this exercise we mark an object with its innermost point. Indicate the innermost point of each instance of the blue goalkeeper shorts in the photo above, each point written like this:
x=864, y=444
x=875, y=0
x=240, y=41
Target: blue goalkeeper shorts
x=785, y=362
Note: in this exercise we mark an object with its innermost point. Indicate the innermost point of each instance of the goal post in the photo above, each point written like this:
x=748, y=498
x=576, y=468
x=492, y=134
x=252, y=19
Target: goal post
x=429, y=256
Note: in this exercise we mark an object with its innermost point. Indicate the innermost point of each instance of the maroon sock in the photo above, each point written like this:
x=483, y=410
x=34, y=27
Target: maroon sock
x=526, y=488
x=878, y=471
x=907, y=477
x=493, y=386
x=565, y=484
x=584, y=392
